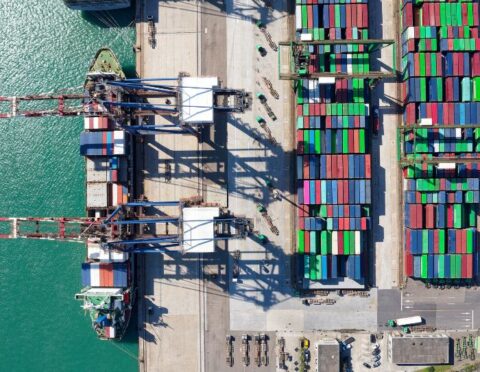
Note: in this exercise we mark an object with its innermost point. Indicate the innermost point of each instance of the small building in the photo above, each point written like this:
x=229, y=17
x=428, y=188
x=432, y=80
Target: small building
x=328, y=356
x=419, y=349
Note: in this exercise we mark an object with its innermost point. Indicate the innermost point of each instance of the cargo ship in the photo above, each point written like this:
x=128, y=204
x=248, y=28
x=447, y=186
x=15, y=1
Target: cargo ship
x=107, y=275
x=97, y=5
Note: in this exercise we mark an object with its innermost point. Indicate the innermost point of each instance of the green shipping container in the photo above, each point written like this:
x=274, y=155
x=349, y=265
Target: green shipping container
x=346, y=243
x=301, y=241
x=306, y=267
x=318, y=266
x=313, y=269
x=423, y=266
x=313, y=242
x=441, y=241
x=458, y=266
x=441, y=266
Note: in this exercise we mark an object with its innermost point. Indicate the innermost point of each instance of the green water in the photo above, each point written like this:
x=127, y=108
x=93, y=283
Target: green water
x=45, y=47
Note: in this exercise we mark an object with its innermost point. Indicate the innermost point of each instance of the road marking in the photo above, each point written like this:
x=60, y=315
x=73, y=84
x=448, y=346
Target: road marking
x=450, y=303
x=472, y=320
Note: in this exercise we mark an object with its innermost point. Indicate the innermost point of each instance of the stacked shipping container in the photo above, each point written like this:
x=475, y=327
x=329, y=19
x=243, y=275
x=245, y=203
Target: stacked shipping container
x=441, y=62
x=333, y=160
x=106, y=163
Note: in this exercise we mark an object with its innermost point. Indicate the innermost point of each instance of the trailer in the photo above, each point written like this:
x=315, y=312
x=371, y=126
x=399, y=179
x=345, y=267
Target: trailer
x=403, y=322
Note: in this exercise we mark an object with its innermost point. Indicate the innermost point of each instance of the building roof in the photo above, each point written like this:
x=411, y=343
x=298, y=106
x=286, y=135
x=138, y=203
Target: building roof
x=197, y=99
x=328, y=357
x=419, y=349
x=198, y=229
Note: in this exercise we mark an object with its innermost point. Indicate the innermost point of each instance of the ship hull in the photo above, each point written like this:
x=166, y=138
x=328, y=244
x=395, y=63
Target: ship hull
x=91, y=6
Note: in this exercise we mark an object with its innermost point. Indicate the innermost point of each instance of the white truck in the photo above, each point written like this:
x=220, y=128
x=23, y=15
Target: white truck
x=403, y=322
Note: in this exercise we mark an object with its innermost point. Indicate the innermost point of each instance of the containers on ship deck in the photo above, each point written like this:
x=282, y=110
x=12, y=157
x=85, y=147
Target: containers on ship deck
x=105, y=274
x=103, y=195
x=103, y=143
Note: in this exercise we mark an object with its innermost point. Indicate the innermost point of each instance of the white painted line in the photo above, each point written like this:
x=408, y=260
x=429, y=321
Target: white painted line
x=408, y=307
x=450, y=303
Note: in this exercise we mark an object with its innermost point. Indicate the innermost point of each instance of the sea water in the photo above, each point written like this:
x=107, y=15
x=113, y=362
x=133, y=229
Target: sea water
x=47, y=47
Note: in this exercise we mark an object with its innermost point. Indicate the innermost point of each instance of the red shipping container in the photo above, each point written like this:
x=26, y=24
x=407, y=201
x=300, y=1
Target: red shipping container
x=436, y=11
x=331, y=11
x=301, y=223
x=408, y=265
x=435, y=241
x=368, y=166
x=348, y=11
x=340, y=192
x=306, y=168
x=464, y=266
x=300, y=143
x=475, y=64
x=449, y=215
x=330, y=211
x=363, y=223
x=451, y=113
x=299, y=110
x=341, y=223
x=307, y=243
x=434, y=113
x=318, y=190
x=408, y=240
x=469, y=265
x=309, y=16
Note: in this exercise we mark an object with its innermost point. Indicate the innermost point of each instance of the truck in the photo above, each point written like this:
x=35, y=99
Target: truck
x=402, y=322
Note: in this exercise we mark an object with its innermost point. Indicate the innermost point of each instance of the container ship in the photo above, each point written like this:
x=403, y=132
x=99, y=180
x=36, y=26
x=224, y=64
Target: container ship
x=107, y=275
x=97, y=5
x=333, y=146
x=441, y=140
x=116, y=226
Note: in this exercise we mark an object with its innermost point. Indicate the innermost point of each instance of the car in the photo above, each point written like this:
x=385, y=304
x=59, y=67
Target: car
x=376, y=352
x=348, y=341
x=376, y=358
x=373, y=339
x=306, y=353
x=376, y=364
x=367, y=365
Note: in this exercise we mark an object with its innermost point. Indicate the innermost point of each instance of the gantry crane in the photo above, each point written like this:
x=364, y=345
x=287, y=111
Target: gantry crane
x=130, y=228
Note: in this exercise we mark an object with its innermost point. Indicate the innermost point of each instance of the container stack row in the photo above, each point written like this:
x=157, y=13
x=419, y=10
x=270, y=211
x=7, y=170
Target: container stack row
x=105, y=150
x=441, y=92
x=333, y=151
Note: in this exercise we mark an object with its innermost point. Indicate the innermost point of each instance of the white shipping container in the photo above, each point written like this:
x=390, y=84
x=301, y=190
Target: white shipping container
x=357, y=242
x=298, y=17
x=96, y=252
x=409, y=33
x=119, y=142
x=97, y=169
x=349, y=64
x=326, y=80
x=334, y=242
x=97, y=195
x=306, y=37
x=95, y=275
